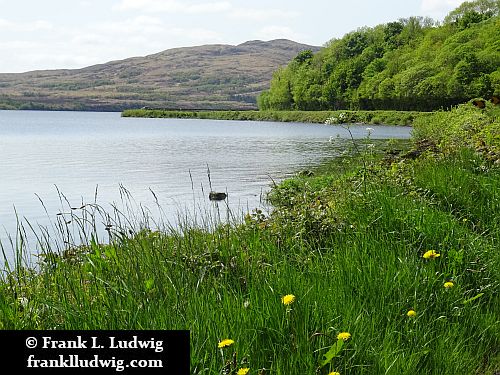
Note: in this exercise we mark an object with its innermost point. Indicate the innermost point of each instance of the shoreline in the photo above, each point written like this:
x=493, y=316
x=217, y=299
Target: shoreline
x=378, y=117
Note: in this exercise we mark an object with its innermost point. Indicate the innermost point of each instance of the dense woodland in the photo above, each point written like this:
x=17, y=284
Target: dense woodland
x=410, y=64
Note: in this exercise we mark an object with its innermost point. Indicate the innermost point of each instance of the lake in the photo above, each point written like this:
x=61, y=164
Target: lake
x=163, y=166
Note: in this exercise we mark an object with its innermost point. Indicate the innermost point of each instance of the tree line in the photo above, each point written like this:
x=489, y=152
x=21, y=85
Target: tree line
x=414, y=63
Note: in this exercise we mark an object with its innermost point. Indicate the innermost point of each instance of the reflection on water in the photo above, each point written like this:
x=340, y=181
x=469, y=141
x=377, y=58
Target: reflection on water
x=62, y=158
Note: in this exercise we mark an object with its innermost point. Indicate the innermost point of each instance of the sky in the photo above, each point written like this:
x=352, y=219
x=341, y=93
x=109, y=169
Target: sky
x=54, y=34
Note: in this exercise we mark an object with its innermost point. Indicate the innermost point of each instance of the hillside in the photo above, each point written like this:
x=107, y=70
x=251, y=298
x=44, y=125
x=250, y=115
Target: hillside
x=409, y=64
x=204, y=77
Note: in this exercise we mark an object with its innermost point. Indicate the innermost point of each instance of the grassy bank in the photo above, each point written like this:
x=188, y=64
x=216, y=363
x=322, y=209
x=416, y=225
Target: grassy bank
x=348, y=242
x=367, y=117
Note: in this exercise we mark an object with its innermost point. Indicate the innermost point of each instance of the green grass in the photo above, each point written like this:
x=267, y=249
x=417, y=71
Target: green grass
x=348, y=242
x=367, y=117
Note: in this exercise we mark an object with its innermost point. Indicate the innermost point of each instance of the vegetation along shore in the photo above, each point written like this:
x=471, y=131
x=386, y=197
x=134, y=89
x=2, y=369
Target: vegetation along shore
x=371, y=265
x=365, y=117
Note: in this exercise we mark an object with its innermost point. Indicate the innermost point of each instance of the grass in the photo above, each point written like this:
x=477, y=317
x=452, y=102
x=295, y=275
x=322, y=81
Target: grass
x=367, y=117
x=347, y=242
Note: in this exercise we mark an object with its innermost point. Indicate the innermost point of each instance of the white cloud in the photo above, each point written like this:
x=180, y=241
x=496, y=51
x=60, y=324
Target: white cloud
x=261, y=14
x=173, y=6
x=435, y=6
x=6, y=25
x=148, y=31
x=77, y=47
x=140, y=24
x=277, y=32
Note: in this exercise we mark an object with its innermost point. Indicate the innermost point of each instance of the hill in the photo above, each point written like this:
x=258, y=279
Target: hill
x=409, y=64
x=204, y=77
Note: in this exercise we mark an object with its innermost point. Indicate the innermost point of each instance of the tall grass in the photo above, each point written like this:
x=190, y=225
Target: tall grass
x=347, y=243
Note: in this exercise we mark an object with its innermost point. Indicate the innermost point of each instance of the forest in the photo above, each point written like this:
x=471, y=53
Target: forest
x=414, y=63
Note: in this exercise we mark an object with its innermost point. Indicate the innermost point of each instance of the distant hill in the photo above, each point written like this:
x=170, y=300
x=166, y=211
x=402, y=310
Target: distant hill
x=204, y=77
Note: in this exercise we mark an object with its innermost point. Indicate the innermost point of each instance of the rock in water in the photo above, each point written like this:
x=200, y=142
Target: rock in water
x=214, y=196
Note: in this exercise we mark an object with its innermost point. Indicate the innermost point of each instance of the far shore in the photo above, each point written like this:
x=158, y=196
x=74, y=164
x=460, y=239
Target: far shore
x=318, y=117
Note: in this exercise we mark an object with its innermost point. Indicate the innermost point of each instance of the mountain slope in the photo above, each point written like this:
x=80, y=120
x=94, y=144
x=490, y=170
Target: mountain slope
x=204, y=77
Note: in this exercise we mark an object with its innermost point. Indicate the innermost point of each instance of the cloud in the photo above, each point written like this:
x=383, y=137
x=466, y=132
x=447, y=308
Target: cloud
x=261, y=14
x=173, y=6
x=85, y=4
x=278, y=32
x=439, y=6
x=151, y=31
x=77, y=47
x=6, y=25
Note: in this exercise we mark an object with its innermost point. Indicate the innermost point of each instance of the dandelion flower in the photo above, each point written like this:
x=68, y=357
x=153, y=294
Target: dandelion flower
x=288, y=299
x=344, y=336
x=334, y=373
x=225, y=343
x=411, y=313
x=243, y=371
x=431, y=254
x=449, y=284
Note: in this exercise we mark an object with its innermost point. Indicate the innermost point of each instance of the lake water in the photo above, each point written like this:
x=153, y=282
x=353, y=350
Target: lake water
x=63, y=158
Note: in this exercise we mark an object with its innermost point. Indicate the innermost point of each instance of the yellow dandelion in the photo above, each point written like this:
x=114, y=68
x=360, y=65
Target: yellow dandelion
x=344, y=336
x=334, y=373
x=288, y=299
x=411, y=313
x=431, y=254
x=243, y=371
x=225, y=343
x=449, y=284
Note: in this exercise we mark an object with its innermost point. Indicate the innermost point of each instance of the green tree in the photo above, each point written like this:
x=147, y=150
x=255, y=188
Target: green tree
x=485, y=8
x=412, y=63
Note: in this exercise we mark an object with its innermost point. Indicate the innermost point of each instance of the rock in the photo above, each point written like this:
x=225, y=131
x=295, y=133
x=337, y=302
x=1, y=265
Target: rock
x=306, y=173
x=214, y=196
x=479, y=103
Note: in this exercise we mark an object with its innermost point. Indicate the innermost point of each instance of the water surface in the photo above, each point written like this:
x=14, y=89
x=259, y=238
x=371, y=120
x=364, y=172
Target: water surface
x=44, y=154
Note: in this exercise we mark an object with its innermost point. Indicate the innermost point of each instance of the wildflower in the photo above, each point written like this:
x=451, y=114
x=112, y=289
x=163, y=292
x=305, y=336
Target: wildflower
x=411, y=313
x=431, y=254
x=449, y=284
x=288, y=299
x=243, y=371
x=331, y=120
x=225, y=343
x=344, y=336
x=23, y=301
x=334, y=373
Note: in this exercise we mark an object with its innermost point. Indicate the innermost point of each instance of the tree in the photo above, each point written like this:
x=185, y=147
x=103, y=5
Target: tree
x=412, y=63
x=484, y=8
x=280, y=93
x=304, y=56
x=391, y=34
